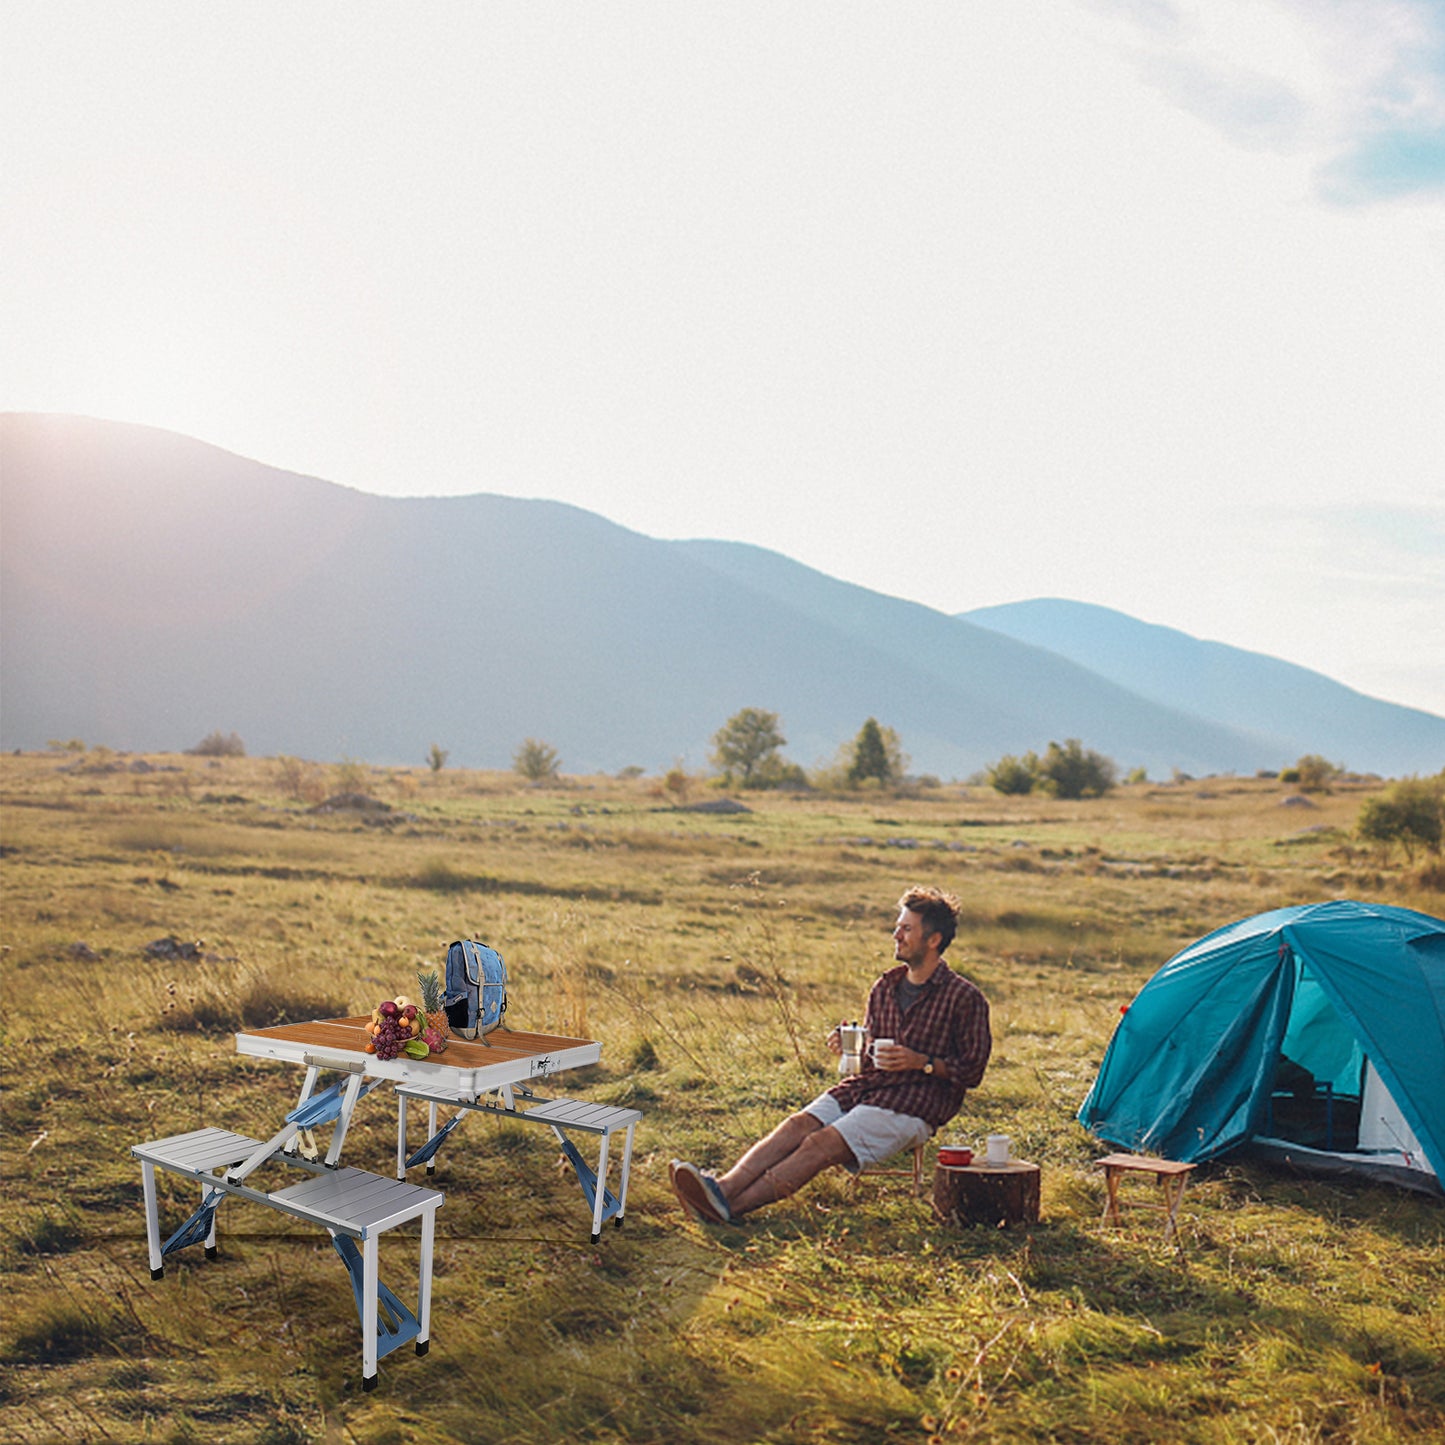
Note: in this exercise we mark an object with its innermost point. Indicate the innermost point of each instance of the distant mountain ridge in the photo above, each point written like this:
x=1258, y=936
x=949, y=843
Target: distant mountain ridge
x=1228, y=685
x=154, y=589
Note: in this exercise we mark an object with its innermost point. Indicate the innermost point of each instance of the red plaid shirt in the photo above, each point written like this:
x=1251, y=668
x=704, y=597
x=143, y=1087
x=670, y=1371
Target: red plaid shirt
x=949, y=1021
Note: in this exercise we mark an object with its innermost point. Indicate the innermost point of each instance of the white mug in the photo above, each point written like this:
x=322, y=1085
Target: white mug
x=998, y=1150
x=880, y=1044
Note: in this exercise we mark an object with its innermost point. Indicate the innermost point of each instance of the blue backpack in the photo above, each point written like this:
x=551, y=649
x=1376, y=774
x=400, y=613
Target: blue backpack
x=476, y=991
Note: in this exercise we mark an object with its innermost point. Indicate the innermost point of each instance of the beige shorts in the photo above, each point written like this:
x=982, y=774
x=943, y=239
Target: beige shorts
x=873, y=1134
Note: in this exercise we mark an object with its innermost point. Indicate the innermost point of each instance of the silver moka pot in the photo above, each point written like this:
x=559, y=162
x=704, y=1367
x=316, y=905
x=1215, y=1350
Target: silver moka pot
x=854, y=1039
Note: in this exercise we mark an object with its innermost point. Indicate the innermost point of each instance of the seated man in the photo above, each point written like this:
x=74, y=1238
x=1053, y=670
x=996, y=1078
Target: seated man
x=938, y=1024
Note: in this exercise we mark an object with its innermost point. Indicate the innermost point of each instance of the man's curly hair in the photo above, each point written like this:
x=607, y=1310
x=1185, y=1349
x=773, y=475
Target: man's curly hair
x=937, y=909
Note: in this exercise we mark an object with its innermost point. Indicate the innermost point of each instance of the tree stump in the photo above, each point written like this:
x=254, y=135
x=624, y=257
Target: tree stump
x=979, y=1194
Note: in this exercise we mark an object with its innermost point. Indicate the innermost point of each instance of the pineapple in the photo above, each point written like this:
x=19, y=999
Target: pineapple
x=431, y=1007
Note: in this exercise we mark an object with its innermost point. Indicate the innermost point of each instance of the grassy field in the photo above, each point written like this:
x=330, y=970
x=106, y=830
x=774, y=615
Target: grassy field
x=709, y=952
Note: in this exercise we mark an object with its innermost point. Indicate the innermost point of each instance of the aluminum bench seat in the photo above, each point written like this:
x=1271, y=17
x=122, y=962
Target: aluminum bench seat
x=355, y=1207
x=561, y=1115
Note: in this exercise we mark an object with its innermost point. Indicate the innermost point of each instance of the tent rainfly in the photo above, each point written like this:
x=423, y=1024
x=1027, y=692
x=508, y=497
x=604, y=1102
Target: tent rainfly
x=1313, y=1034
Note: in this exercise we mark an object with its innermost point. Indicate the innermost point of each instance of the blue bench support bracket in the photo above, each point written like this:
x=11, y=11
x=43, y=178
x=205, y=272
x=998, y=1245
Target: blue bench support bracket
x=587, y=1178
x=395, y=1324
x=576, y=1116
x=428, y=1151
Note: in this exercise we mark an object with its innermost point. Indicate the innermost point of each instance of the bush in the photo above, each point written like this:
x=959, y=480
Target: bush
x=299, y=780
x=1313, y=773
x=436, y=758
x=1410, y=812
x=1012, y=775
x=1072, y=771
x=214, y=745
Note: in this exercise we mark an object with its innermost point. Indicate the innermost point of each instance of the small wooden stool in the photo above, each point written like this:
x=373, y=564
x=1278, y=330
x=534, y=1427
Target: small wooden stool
x=913, y=1172
x=1172, y=1177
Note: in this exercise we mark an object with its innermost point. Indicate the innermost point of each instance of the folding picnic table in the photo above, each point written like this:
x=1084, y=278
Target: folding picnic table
x=486, y=1074
x=354, y=1206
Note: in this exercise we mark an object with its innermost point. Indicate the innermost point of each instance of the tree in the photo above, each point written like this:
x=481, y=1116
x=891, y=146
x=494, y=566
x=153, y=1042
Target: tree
x=746, y=744
x=1072, y=771
x=437, y=757
x=876, y=754
x=536, y=761
x=1410, y=812
x=1013, y=775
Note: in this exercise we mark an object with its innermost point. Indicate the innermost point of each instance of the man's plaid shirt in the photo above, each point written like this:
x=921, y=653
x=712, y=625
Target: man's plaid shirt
x=949, y=1021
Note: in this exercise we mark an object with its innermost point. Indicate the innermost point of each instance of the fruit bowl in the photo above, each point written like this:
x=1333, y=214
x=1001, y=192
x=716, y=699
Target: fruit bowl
x=955, y=1155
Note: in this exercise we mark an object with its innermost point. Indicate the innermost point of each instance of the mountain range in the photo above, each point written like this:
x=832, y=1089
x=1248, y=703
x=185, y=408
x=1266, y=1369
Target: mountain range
x=154, y=589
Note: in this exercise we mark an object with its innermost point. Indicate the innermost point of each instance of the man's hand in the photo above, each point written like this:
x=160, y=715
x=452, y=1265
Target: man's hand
x=835, y=1041
x=898, y=1056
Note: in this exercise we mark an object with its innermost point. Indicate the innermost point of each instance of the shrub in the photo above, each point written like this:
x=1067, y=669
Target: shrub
x=1073, y=771
x=1410, y=812
x=215, y=745
x=436, y=758
x=1013, y=775
x=676, y=784
x=1313, y=773
x=351, y=775
x=299, y=780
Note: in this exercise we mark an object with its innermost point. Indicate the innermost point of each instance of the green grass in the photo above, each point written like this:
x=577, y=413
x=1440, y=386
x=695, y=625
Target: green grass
x=709, y=953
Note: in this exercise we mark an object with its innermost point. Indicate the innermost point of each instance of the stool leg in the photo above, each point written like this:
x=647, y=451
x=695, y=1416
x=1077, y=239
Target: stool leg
x=1111, y=1204
x=431, y=1129
x=153, y=1228
x=423, y=1301
x=1173, y=1198
x=917, y=1170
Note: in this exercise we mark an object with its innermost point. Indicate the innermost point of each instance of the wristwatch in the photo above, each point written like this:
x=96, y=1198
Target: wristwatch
x=928, y=1067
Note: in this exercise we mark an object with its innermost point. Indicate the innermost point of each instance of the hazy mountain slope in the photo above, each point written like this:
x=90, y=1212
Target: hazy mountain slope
x=1041, y=698
x=1304, y=710
x=153, y=589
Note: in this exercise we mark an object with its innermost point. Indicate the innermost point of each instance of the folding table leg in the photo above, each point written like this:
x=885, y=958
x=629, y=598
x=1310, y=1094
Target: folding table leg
x=370, y=1273
x=210, y=1245
x=626, y=1172
x=153, y=1226
x=600, y=1193
x=423, y=1301
x=401, y=1136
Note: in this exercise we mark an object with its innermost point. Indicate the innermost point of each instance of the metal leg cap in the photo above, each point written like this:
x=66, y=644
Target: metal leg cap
x=595, y=1238
x=211, y=1252
x=369, y=1382
x=422, y=1346
x=157, y=1273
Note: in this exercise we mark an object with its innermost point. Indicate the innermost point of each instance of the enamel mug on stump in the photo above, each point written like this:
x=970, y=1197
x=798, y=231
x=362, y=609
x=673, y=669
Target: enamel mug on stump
x=998, y=1149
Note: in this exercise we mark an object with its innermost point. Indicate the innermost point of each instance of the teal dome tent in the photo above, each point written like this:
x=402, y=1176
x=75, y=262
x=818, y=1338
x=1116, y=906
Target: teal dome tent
x=1313, y=1034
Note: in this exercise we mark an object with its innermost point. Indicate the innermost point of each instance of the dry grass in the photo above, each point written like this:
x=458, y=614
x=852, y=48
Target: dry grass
x=709, y=953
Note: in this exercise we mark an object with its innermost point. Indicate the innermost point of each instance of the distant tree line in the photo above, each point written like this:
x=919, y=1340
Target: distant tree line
x=1067, y=771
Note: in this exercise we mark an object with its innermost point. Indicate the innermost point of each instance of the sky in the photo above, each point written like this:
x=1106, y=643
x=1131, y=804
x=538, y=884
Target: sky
x=1135, y=302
